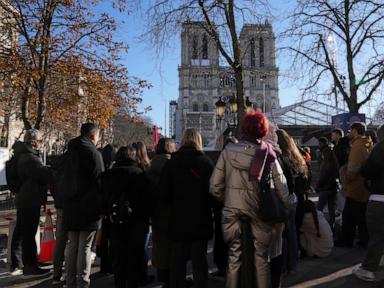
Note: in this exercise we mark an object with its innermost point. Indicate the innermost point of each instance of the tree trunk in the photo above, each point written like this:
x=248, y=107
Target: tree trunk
x=24, y=107
x=353, y=106
x=41, y=107
x=239, y=99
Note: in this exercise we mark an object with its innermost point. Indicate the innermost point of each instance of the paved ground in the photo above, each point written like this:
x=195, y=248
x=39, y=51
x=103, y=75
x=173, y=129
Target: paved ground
x=331, y=272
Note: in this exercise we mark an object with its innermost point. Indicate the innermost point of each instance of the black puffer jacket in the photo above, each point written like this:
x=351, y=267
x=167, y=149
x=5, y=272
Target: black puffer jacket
x=160, y=217
x=373, y=170
x=126, y=177
x=185, y=185
x=34, y=176
x=82, y=204
x=327, y=178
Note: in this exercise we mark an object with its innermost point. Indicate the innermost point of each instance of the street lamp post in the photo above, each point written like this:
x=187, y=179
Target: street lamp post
x=262, y=79
x=230, y=109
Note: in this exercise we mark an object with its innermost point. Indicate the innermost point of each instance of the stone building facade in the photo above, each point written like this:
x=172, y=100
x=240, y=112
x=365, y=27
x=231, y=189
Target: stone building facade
x=203, y=79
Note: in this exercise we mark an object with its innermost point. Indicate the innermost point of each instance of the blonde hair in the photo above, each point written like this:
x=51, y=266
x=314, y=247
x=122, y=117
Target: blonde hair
x=192, y=137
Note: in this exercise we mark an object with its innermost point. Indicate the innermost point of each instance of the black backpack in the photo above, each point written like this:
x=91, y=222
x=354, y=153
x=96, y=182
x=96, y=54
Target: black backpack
x=120, y=210
x=11, y=174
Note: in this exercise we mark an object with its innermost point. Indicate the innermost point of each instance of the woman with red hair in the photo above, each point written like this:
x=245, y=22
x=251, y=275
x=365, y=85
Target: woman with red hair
x=235, y=182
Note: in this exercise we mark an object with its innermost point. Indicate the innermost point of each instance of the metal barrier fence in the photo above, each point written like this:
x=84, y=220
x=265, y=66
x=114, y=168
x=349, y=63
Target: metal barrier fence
x=7, y=200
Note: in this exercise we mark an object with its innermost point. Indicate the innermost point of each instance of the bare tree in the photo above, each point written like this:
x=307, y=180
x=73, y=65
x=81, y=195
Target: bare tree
x=378, y=117
x=340, y=43
x=220, y=19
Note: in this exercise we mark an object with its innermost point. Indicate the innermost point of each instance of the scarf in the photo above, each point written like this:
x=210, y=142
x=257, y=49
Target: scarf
x=263, y=159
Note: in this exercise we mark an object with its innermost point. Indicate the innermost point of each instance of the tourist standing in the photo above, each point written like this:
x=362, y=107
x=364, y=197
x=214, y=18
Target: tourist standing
x=128, y=206
x=233, y=182
x=355, y=191
x=327, y=184
x=296, y=172
x=160, y=217
x=82, y=203
x=373, y=172
x=185, y=186
x=34, y=178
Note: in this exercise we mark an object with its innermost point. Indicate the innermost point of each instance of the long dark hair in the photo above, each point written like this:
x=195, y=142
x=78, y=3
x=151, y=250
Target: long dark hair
x=290, y=150
x=310, y=207
x=165, y=146
x=142, y=155
x=125, y=153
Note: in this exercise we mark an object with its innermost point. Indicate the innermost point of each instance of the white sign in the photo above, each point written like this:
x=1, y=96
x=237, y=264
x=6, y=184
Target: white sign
x=4, y=157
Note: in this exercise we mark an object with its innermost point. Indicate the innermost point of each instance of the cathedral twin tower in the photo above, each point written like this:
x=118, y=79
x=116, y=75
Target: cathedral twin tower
x=202, y=78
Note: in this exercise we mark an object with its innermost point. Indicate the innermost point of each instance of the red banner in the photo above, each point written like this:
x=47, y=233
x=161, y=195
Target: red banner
x=155, y=134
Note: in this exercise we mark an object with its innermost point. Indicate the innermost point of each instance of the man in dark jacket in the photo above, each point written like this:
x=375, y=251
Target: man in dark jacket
x=373, y=172
x=336, y=135
x=34, y=177
x=82, y=203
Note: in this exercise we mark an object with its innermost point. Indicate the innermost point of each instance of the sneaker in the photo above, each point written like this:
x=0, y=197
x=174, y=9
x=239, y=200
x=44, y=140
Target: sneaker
x=363, y=274
x=16, y=272
x=34, y=273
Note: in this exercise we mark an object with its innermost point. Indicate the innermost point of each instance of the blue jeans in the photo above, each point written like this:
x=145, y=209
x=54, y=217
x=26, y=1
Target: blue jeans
x=290, y=242
x=144, y=267
x=328, y=197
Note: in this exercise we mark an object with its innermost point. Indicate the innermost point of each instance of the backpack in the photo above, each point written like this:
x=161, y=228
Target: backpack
x=11, y=174
x=120, y=210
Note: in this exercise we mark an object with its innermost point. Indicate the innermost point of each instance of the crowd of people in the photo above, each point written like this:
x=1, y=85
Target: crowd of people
x=115, y=201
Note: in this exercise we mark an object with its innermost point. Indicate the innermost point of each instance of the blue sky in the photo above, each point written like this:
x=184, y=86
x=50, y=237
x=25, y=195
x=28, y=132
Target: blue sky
x=162, y=73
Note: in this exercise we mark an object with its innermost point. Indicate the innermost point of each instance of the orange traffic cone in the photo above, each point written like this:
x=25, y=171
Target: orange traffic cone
x=48, y=243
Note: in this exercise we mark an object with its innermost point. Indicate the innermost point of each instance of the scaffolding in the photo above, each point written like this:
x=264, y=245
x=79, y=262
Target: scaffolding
x=305, y=113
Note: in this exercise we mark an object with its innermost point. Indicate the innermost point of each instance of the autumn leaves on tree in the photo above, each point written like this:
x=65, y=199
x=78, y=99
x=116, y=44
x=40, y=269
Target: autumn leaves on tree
x=61, y=64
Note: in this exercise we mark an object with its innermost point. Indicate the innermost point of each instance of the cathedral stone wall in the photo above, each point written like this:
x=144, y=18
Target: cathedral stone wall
x=202, y=80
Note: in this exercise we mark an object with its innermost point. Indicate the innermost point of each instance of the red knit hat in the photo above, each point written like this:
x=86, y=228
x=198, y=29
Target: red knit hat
x=255, y=125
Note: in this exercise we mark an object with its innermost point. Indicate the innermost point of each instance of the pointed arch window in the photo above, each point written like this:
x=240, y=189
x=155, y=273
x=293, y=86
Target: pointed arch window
x=252, y=53
x=194, y=47
x=195, y=107
x=261, y=52
x=204, y=47
x=205, y=107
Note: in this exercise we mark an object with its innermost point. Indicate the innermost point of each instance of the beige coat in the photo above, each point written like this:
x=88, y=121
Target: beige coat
x=229, y=183
x=354, y=181
x=313, y=245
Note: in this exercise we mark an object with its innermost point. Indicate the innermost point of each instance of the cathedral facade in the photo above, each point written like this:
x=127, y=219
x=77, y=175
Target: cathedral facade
x=203, y=79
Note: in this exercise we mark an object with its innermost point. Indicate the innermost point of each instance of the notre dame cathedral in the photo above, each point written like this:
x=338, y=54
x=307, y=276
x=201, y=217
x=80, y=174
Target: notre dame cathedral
x=202, y=78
